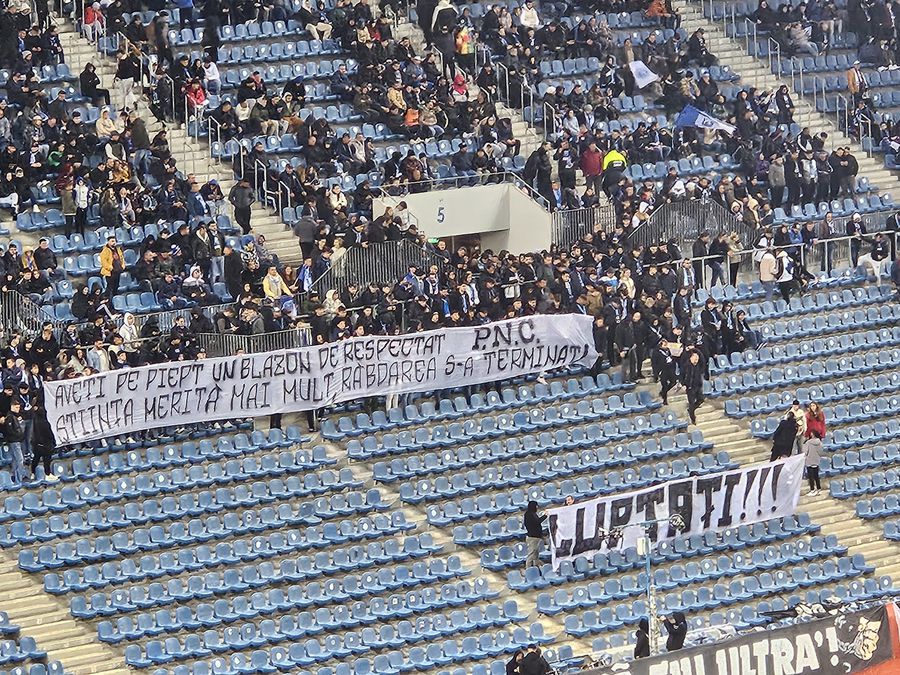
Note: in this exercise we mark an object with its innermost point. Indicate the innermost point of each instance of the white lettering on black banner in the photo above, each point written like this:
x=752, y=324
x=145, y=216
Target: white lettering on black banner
x=712, y=502
x=178, y=393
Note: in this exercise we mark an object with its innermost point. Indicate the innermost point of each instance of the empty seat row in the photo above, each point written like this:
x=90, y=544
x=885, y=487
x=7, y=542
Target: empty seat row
x=708, y=572
x=879, y=507
x=174, y=480
x=232, y=582
x=310, y=652
x=307, y=624
x=818, y=348
x=823, y=370
x=526, y=473
x=711, y=598
x=460, y=407
x=195, y=531
x=259, y=604
x=828, y=393
x=873, y=317
x=564, y=439
x=294, y=569
x=866, y=458
x=191, y=504
x=560, y=464
x=163, y=457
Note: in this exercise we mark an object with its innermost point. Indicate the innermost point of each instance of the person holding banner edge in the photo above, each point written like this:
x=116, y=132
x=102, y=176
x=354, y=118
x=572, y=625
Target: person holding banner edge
x=534, y=534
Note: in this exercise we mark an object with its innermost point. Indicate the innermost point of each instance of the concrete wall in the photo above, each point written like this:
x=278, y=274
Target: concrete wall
x=504, y=216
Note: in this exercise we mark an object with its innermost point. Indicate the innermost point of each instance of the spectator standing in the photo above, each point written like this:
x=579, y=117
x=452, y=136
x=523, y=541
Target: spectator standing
x=699, y=252
x=534, y=534
x=784, y=270
x=692, y=378
x=857, y=84
x=800, y=419
x=856, y=228
x=642, y=639
x=784, y=436
x=815, y=420
x=112, y=264
x=13, y=435
x=768, y=273
x=241, y=198
x=812, y=449
x=592, y=166
x=43, y=445
x=877, y=258
x=676, y=626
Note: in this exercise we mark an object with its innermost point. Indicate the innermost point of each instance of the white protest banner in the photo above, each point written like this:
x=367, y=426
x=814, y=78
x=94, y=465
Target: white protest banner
x=711, y=502
x=183, y=392
x=643, y=76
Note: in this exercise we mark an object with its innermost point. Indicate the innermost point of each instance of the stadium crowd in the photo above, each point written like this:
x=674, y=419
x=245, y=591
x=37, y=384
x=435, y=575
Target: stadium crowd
x=642, y=298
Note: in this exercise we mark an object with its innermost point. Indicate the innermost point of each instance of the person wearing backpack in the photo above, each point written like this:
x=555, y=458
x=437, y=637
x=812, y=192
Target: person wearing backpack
x=784, y=274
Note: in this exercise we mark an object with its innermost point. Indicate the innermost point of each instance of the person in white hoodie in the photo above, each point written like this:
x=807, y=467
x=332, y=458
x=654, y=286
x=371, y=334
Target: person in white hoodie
x=529, y=16
x=130, y=336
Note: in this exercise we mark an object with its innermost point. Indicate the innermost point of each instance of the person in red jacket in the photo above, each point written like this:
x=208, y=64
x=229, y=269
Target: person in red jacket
x=815, y=420
x=592, y=167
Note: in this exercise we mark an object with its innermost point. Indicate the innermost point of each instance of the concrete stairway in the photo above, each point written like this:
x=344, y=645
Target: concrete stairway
x=756, y=73
x=191, y=154
x=530, y=137
x=835, y=516
x=48, y=621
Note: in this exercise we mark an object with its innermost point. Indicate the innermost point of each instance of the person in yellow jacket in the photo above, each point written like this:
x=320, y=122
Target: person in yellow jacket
x=465, y=50
x=112, y=264
x=614, y=165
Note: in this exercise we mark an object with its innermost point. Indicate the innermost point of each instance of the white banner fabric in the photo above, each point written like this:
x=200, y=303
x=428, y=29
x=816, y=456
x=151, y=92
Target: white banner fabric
x=712, y=502
x=643, y=76
x=184, y=392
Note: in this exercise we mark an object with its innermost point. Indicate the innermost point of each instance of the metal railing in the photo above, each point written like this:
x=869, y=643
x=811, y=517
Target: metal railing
x=552, y=120
x=774, y=56
x=823, y=255
x=19, y=313
x=570, y=226
x=685, y=220
x=376, y=263
x=228, y=344
x=504, y=88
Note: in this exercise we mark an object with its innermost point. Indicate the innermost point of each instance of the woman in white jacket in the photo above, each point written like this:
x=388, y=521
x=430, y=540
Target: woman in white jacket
x=130, y=336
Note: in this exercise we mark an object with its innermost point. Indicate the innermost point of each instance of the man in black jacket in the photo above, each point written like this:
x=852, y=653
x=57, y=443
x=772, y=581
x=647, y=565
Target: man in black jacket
x=630, y=339
x=700, y=250
x=534, y=534
x=711, y=320
x=692, y=378
x=13, y=435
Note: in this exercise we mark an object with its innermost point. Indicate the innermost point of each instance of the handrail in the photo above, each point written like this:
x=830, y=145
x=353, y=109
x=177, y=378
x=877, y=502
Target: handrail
x=284, y=192
x=550, y=120
x=213, y=126
x=750, y=37
x=774, y=49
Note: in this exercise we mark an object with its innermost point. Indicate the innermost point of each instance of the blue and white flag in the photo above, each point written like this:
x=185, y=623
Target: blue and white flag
x=692, y=117
x=643, y=76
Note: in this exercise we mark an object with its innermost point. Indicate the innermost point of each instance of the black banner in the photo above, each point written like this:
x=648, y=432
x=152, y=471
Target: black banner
x=863, y=642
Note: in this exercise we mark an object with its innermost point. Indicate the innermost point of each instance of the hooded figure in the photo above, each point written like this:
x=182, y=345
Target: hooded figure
x=642, y=639
x=129, y=332
x=676, y=626
x=784, y=437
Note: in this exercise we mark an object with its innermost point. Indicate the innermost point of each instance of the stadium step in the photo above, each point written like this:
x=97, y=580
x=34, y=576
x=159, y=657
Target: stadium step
x=50, y=624
x=755, y=72
x=191, y=154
